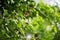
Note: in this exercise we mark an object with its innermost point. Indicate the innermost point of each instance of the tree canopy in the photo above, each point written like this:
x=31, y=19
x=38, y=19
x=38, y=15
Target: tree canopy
x=26, y=20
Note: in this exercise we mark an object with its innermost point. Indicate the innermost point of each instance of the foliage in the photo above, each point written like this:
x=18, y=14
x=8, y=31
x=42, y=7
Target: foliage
x=22, y=18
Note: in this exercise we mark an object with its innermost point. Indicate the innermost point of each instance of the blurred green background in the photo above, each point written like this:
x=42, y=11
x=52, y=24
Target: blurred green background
x=26, y=20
